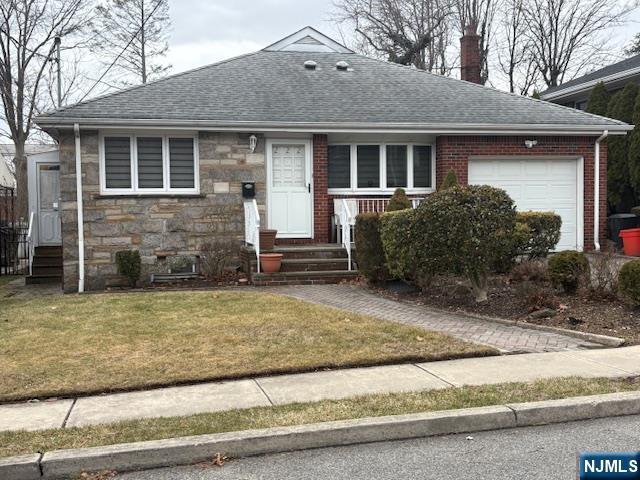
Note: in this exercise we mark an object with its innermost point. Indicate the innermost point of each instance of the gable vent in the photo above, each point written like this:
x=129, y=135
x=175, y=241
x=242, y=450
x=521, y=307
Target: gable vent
x=310, y=65
x=342, y=66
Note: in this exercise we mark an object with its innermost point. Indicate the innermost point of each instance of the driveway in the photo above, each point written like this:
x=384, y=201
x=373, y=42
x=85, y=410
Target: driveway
x=509, y=338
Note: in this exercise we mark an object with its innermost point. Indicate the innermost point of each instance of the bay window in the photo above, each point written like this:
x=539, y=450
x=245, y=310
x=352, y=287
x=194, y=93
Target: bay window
x=148, y=164
x=380, y=168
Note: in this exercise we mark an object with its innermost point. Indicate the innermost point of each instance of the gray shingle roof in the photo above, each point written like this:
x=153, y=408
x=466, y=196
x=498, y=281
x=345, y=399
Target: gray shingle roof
x=274, y=87
x=613, y=69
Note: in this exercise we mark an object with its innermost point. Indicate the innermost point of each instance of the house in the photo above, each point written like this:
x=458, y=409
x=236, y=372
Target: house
x=161, y=167
x=6, y=171
x=576, y=93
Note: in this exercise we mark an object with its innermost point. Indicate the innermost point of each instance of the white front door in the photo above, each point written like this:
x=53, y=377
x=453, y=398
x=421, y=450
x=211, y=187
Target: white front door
x=290, y=206
x=49, y=227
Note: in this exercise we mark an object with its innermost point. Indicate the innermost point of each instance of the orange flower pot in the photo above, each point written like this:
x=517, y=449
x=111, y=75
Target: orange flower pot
x=270, y=262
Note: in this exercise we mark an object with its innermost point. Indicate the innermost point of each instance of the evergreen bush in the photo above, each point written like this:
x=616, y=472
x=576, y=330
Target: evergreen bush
x=369, y=251
x=569, y=270
x=129, y=265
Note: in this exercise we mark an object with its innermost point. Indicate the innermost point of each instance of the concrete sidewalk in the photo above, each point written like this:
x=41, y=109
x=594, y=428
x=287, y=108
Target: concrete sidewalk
x=309, y=387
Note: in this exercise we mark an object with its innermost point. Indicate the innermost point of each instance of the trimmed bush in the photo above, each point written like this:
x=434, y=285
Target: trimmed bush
x=464, y=230
x=369, y=251
x=544, y=233
x=450, y=180
x=129, y=265
x=395, y=232
x=399, y=201
x=629, y=281
x=569, y=270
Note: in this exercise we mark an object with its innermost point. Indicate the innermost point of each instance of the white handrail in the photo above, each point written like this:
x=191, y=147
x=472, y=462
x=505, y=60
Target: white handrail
x=252, y=227
x=345, y=224
x=30, y=245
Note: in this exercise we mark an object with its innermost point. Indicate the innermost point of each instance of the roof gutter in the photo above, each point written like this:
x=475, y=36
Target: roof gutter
x=596, y=192
x=585, y=86
x=79, y=205
x=328, y=127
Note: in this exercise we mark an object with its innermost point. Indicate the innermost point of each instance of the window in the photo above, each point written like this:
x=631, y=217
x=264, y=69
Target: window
x=397, y=166
x=368, y=166
x=421, y=166
x=339, y=166
x=380, y=168
x=149, y=164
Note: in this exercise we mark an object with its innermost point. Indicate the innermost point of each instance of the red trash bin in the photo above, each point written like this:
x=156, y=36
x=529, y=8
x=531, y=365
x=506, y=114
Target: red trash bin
x=631, y=241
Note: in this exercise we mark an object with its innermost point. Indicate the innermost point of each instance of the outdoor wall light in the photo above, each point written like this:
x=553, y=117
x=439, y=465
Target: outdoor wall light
x=530, y=143
x=253, y=143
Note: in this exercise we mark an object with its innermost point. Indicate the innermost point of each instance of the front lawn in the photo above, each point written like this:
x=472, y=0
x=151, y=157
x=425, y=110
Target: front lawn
x=69, y=345
x=22, y=442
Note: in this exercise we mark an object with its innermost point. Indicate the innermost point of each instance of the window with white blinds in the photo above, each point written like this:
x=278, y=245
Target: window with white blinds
x=149, y=164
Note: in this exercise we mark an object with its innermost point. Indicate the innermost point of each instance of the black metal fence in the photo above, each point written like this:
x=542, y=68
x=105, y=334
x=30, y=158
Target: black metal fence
x=14, y=243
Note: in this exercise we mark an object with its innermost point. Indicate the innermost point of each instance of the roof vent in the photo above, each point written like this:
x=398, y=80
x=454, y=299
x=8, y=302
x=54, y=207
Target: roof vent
x=342, y=66
x=310, y=65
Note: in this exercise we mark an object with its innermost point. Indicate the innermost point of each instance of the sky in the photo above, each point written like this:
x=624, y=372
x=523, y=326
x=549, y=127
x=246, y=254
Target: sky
x=206, y=31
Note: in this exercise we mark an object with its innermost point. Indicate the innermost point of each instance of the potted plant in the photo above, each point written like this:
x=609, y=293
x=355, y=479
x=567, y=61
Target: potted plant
x=270, y=262
x=267, y=238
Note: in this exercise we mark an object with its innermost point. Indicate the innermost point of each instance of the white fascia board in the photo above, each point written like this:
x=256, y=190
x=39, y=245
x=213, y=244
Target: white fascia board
x=451, y=129
x=328, y=43
x=572, y=90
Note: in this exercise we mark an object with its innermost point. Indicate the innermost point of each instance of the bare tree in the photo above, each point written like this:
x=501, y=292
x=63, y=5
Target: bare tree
x=409, y=32
x=133, y=35
x=28, y=30
x=478, y=14
x=515, y=56
x=568, y=35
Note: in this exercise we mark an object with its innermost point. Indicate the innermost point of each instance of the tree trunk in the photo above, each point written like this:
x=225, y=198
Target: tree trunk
x=479, y=286
x=22, y=191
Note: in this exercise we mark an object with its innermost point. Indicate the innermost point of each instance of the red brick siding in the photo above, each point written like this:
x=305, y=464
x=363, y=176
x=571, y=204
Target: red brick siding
x=321, y=213
x=454, y=152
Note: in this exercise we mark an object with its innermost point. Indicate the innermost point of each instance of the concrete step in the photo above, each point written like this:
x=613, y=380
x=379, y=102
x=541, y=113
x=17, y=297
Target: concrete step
x=310, y=251
x=47, y=270
x=41, y=279
x=303, y=278
x=310, y=264
x=40, y=261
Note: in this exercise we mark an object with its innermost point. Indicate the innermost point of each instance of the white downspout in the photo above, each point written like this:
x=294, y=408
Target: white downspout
x=596, y=193
x=79, y=203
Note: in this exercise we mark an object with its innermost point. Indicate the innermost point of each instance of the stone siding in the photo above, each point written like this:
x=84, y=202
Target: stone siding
x=157, y=226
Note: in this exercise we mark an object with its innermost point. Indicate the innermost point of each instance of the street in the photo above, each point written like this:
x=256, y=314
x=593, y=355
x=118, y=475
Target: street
x=543, y=453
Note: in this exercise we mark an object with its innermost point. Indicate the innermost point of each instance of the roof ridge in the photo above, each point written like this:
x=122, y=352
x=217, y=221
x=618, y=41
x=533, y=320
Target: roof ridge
x=135, y=87
x=486, y=87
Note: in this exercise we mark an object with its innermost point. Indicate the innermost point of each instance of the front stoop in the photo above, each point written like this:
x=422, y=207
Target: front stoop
x=314, y=264
x=47, y=266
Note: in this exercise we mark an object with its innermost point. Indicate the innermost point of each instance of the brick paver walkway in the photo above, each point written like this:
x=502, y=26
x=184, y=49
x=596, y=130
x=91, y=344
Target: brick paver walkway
x=509, y=338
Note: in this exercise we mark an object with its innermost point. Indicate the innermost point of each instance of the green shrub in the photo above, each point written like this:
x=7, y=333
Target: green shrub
x=569, y=270
x=629, y=281
x=395, y=230
x=399, y=201
x=129, y=265
x=369, y=252
x=450, y=180
x=544, y=233
x=464, y=230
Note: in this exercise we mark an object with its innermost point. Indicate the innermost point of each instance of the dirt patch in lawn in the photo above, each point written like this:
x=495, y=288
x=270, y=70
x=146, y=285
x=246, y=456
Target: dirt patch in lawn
x=581, y=312
x=80, y=344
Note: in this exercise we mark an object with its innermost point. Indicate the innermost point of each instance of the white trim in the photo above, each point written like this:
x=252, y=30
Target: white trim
x=588, y=85
x=134, y=189
x=324, y=127
x=309, y=179
x=288, y=44
x=383, y=189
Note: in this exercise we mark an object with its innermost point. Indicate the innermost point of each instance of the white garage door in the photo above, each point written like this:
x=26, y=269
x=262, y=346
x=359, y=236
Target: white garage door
x=536, y=184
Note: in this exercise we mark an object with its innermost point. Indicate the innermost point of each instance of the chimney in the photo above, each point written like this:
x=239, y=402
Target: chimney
x=470, y=55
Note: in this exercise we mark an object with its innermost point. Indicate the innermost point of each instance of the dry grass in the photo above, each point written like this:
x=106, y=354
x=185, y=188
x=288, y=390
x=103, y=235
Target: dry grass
x=71, y=345
x=17, y=443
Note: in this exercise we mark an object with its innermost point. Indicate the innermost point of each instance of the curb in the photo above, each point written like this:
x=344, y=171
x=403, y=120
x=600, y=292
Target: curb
x=189, y=450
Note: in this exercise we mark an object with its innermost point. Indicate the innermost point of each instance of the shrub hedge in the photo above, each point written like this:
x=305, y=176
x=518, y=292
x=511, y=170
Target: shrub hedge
x=398, y=201
x=129, y=265
x=544, y=233
x=369, y=251
x=395, y=232
x=629, y=281
x=569, y=270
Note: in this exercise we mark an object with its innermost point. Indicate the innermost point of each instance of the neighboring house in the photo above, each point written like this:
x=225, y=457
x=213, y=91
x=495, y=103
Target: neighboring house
x=7, y=154
x=575, y=93
x=306, y=119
